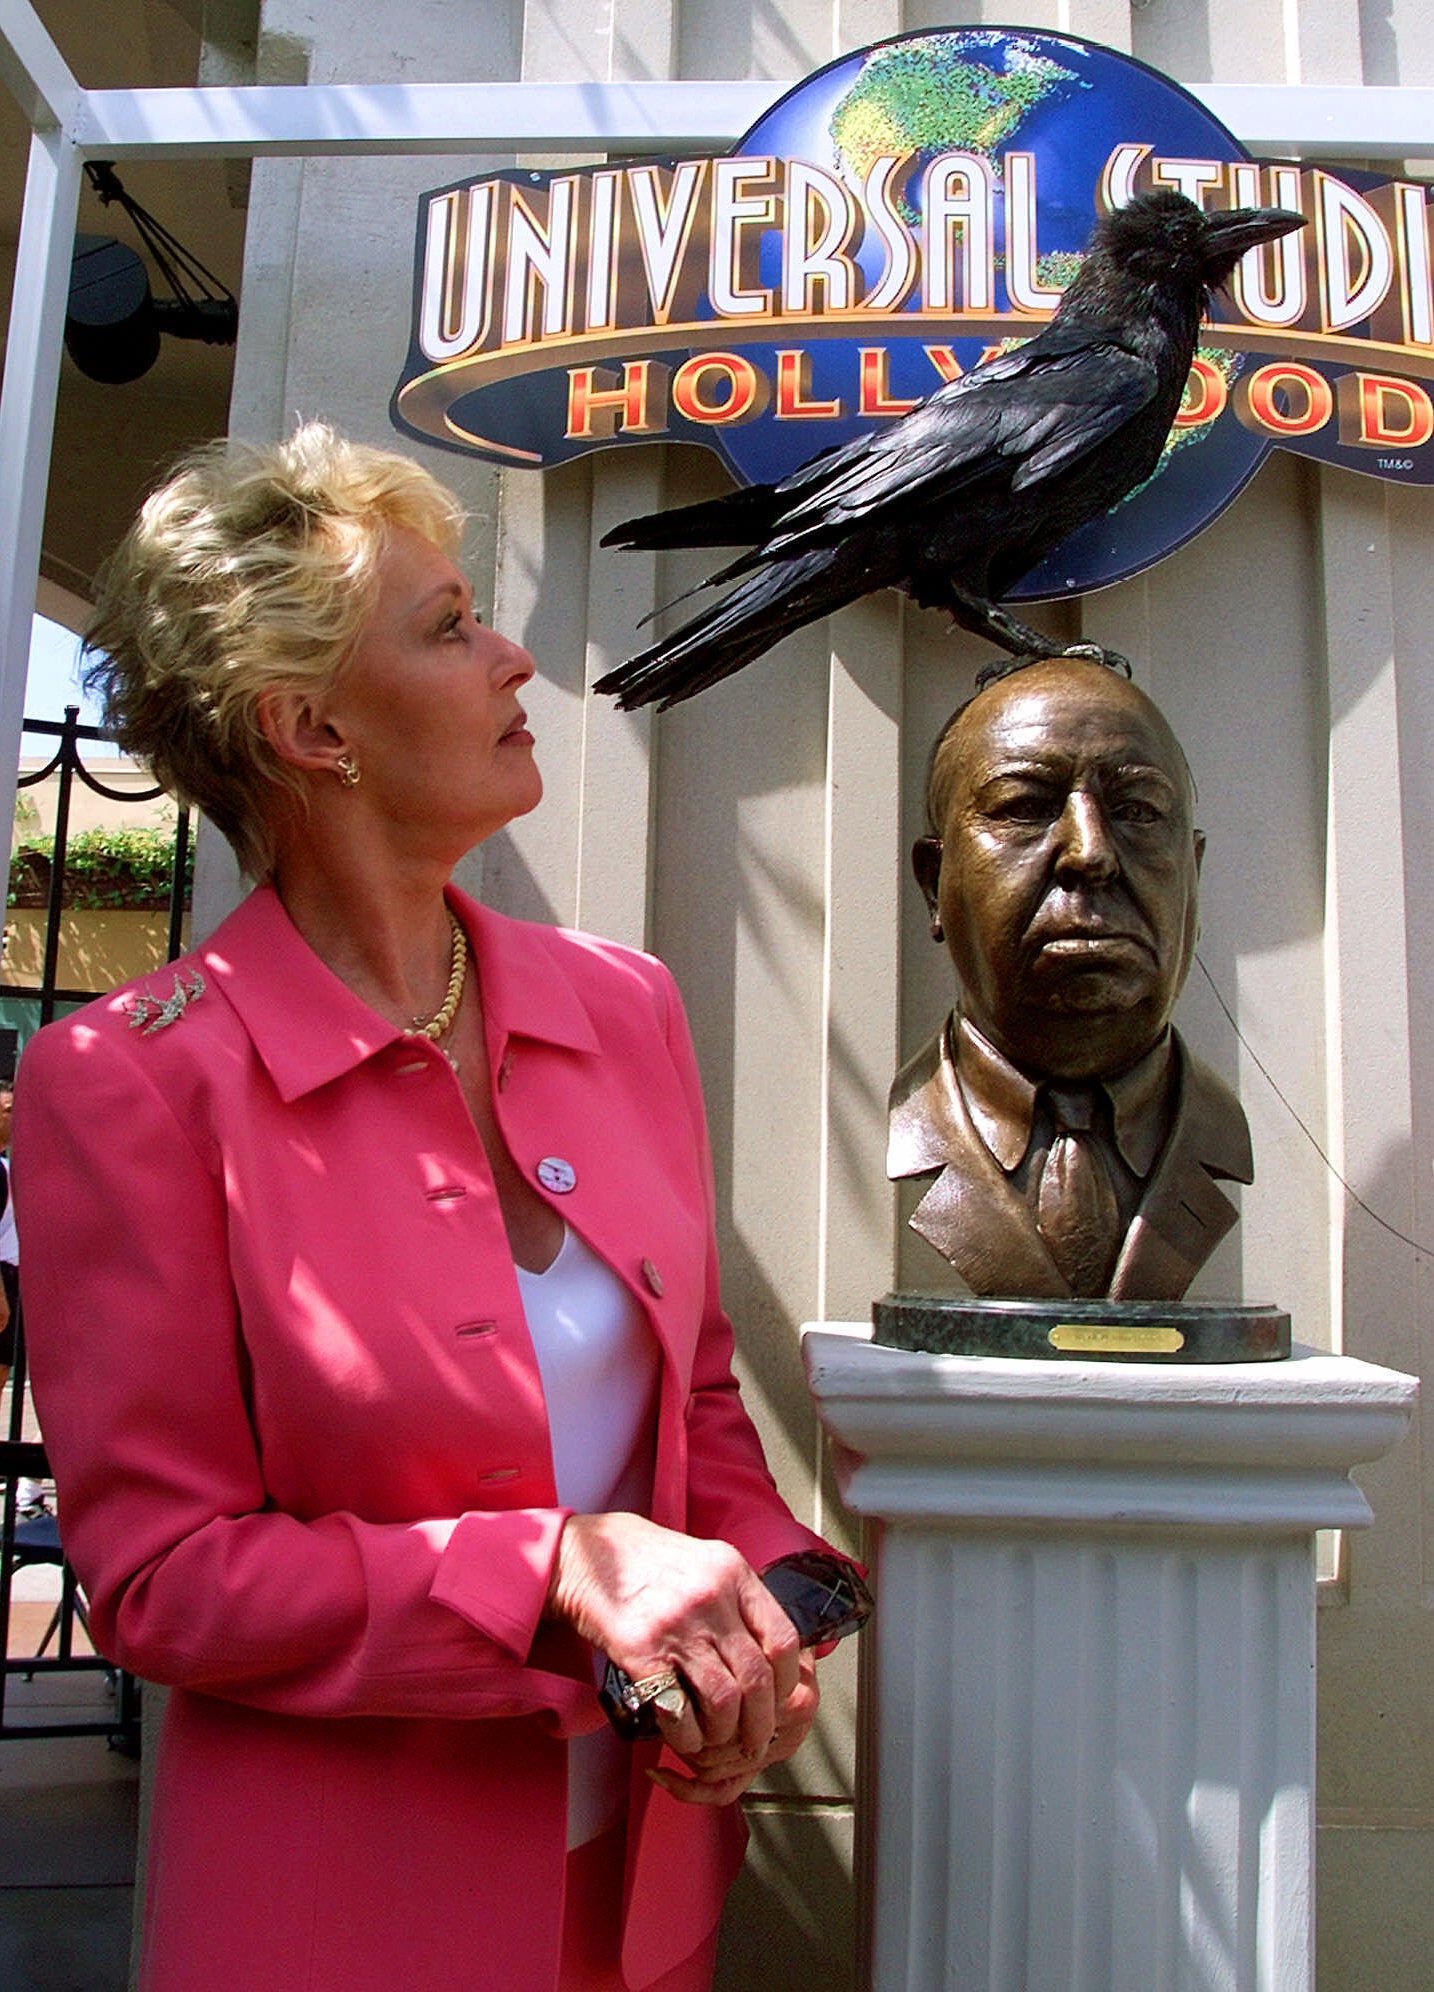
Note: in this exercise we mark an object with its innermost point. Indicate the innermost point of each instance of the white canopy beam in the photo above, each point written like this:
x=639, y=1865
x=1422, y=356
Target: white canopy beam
x=1336, y=122
x=1326, y=121
x=260, y=121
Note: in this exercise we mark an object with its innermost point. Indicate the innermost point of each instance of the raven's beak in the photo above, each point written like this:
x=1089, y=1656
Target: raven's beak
x=1229, y=235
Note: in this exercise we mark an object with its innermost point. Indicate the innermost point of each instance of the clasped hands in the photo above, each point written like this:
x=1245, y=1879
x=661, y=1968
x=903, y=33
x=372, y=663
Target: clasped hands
x=653, y=1599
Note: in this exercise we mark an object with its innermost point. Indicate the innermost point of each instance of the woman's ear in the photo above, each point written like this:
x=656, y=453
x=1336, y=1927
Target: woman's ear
x=298, y=734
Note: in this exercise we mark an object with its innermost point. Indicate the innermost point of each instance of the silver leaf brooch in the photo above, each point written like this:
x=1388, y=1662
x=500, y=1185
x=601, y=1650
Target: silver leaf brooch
x=148, y=1014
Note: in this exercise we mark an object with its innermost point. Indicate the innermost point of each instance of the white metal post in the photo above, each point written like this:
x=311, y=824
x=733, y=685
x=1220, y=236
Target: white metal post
x=27, y=421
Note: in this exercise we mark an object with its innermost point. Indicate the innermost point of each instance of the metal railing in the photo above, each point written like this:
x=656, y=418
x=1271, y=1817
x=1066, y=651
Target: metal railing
x=26, y=1543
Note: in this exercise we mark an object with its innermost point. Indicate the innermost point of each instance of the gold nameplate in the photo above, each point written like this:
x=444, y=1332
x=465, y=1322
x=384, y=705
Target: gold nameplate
x=1114, y=1338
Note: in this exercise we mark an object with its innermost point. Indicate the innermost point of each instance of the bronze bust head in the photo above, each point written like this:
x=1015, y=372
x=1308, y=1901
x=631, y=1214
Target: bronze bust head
x=1078, y=1141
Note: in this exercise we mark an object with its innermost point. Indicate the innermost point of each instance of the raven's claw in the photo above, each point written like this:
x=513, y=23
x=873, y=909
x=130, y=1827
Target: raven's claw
x=1115, y=660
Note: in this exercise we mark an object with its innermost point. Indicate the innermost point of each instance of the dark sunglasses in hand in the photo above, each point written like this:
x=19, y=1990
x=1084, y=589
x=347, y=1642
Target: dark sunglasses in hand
x=823, y=1597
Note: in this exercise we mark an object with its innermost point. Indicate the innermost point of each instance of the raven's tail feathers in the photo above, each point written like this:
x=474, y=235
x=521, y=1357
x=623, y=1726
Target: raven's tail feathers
x=732, y=632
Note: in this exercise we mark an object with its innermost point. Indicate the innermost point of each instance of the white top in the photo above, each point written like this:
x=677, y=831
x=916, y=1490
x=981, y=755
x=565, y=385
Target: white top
x=9, y=1238
x=599, y=1364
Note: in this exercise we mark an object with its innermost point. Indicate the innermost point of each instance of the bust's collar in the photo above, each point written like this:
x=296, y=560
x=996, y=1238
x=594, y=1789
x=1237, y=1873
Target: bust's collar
x=1001, y=1099
x=1140, y=1099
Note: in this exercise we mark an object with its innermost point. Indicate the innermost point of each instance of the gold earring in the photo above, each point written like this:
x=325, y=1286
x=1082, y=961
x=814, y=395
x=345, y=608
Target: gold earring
x=348, y=771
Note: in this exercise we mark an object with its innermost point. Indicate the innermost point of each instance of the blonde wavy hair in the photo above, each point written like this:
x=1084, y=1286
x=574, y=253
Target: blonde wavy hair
x=249, y=570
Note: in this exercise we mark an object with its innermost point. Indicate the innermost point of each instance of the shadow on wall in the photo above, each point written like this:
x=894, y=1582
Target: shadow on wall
x=791, y=1917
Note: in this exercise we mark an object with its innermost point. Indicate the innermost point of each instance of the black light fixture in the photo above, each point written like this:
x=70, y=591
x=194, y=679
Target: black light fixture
x=113, y=319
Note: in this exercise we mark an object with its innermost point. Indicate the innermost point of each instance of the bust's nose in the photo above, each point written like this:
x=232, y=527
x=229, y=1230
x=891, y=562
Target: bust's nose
x=1085, y=850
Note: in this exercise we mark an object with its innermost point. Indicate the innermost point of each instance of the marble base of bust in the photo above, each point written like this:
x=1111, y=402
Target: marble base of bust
x=1146, y=1331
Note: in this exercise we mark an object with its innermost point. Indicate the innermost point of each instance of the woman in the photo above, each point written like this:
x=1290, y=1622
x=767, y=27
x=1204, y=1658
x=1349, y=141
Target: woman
x=372, y=1297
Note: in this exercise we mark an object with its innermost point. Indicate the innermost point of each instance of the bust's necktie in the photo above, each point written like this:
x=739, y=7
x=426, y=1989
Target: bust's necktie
x=1076, y=1209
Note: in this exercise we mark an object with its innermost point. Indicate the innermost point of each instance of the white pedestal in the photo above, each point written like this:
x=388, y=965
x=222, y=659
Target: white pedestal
x=1089, y=1721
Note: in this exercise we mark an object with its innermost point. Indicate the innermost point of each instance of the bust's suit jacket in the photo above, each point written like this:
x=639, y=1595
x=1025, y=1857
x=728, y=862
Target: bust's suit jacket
x=987, y=1231
x=298, y=1432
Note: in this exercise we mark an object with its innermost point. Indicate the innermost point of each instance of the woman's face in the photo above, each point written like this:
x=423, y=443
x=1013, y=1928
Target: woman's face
x=427, y=705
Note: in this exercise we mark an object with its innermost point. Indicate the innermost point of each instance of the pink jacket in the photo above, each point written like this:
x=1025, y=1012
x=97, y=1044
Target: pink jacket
x=293, y=1411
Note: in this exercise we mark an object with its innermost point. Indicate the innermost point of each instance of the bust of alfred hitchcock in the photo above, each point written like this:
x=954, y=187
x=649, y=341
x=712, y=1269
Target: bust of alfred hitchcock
x=1076, y=1145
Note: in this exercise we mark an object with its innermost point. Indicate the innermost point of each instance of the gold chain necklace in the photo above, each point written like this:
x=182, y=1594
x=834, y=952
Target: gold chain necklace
x=441, y=1022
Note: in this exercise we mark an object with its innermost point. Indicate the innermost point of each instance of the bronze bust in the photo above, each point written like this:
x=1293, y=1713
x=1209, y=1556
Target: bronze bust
x=1079, y=1144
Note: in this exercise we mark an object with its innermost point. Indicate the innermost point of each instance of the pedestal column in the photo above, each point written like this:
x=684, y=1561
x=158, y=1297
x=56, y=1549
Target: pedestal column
x=1088, y=1758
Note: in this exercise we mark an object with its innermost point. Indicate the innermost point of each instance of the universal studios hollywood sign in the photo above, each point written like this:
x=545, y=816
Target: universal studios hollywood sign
x=896, y=218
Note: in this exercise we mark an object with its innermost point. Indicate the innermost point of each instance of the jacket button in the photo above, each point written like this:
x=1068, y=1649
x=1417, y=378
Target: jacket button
x=557, y=1175
x=653, y=1277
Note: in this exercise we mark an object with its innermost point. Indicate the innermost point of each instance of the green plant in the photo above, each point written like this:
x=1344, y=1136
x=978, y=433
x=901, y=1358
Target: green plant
x=27, y=820
x=124, y=868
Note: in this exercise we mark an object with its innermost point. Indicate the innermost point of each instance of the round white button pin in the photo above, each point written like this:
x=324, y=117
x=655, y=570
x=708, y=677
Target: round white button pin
x=557, y=1175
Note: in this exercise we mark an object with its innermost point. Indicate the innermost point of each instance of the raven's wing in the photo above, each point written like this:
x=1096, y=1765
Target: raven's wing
x=1038, y=409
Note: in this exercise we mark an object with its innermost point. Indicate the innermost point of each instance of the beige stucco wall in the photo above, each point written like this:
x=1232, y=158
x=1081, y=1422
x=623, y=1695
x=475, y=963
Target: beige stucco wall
x=99, y=947
x=756, y=839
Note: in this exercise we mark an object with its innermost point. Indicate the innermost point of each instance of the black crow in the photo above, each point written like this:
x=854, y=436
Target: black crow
x=955, y=501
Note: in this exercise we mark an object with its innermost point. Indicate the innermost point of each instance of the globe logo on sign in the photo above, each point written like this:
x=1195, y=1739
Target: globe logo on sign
x=1068, y=107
